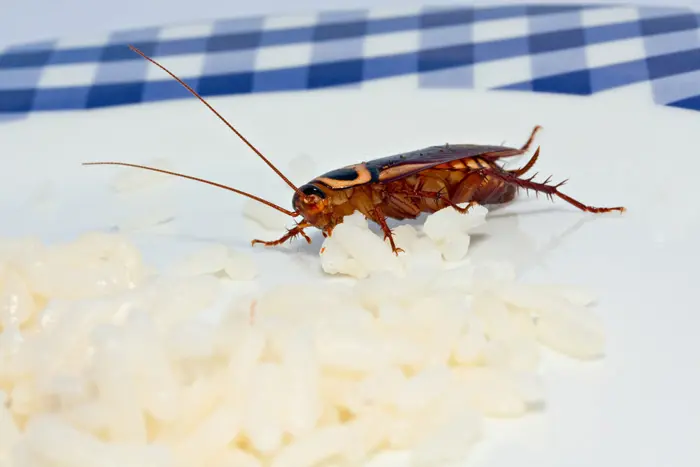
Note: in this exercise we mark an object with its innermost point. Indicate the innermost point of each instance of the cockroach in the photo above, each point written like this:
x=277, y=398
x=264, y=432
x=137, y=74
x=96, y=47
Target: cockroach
x=401, y=186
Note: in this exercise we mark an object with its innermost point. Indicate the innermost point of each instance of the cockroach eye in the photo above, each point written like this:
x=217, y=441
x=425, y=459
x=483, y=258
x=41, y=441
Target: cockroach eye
x=312, y=190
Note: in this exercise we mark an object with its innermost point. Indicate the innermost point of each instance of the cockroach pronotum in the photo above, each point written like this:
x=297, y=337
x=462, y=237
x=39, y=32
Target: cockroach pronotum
x=401, y=186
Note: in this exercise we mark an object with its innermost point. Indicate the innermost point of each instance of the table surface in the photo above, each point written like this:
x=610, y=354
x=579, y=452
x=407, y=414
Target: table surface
x=19, y=21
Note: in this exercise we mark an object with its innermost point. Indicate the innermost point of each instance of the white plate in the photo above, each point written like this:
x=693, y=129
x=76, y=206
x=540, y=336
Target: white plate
x=638, y=406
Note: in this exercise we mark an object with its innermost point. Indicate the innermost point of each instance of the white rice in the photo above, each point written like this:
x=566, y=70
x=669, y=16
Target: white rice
x=265, y=216
x=101, y=363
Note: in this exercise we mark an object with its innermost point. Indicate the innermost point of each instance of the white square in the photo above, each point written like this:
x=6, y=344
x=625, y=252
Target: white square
x=283, y=56
x=81, y=74
x=490, y=75
x=607, y=15
x=182, y=66
x=388, y=13
x=610, y=53
x=378, y=45
x=484, y=31
x=273, y=22
x=186, y=31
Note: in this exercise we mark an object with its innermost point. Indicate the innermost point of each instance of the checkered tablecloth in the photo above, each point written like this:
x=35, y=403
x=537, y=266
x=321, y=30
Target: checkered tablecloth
x=554, y=49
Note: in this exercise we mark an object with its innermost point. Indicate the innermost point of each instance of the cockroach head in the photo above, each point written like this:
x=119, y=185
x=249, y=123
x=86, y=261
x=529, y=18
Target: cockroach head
x=310, y=202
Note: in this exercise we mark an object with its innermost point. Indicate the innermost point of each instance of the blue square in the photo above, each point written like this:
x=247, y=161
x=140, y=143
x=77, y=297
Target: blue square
x=673, y=64
x=105, y=95
x=651, y=26
x=676, y=87
x=534, y=10
x=344, y=49
x=386, y=25
x=119, y=52
x=234, y=41
x=558, y=40
x=441, y=37
x=522, y=86
x=79, y=55
x=166, y=89
x=690, y=103
x=393, y=65
x=223, y=63
x=340, y=30
x=61, y=98
x=122, y=72
x=335, y=74
x=445, y=57
x=24, y=59
x=484, y=13
x=286, y=36
x=505, y=48
x=182, y=46
x=557, y=63
x=611, y=32
x=658, y=11
x=620, y=74
x=446, y=17
x=540, y=24
x=281, y=80
x=576, y=82
x=18, y=100
x=668, y=43
x=19, y=78
x=229, y=83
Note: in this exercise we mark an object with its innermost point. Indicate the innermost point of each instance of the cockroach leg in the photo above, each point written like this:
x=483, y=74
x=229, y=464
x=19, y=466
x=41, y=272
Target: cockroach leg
x=523, y=170
x=549, y=190
x=462, y=210
x=526, y=147
x=439, y=196
x=291, y=233
x=306, y=237
x=379, y=218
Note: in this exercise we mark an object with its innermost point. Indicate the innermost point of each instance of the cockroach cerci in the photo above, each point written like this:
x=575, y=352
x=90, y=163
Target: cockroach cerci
x=400, y=187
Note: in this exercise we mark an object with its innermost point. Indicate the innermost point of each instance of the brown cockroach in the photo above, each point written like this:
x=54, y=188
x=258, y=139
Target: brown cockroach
x=401, y=186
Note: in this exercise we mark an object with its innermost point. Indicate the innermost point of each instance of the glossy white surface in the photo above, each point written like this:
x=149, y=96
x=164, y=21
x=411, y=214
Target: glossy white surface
x=638, y=407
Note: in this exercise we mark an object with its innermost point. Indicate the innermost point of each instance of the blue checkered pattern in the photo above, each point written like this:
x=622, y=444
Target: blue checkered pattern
x=578, y=50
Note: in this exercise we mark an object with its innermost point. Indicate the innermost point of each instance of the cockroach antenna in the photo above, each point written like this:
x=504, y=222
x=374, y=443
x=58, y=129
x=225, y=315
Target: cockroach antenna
x=196, y=179
x=248, y=143
x=231, y=127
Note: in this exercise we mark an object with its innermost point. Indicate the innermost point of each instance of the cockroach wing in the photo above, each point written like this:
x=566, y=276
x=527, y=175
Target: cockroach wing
x=387, y=169
x=400, y=166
